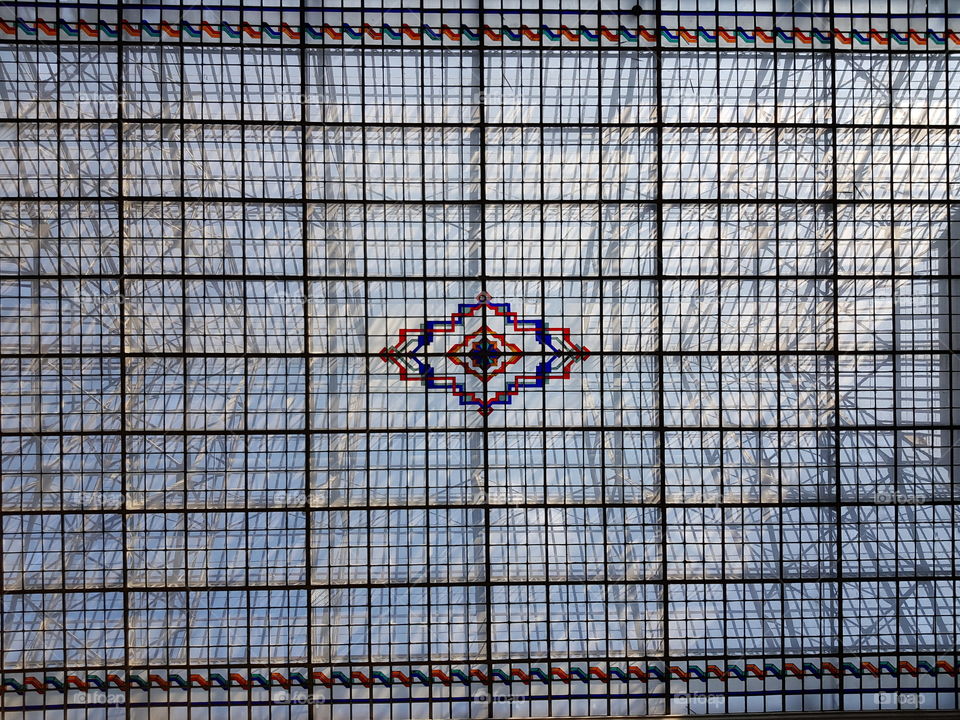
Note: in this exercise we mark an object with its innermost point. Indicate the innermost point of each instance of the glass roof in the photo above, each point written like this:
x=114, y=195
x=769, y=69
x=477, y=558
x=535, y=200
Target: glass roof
x=482, y=361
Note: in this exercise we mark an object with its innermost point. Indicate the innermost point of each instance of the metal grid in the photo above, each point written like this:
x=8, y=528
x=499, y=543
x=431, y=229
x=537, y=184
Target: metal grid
x=217, y=495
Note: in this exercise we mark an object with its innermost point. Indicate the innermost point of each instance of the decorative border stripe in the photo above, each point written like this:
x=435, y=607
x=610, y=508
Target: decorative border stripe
x=387, y=678
x=738, y=36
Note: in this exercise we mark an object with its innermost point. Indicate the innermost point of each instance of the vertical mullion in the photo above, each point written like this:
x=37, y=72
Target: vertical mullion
x=422, y=56
x=262, y=363
x=185, y=415
x=545, y=436
x=895, y=358
x=121, y=310
x=304, y=304
x=482, y=220
x=949, y=441
x=721, y=516
x=838, y=489
x=364, y=181
x=779, y=424
x=614, y=133
x=661, y=416
x=37, y=285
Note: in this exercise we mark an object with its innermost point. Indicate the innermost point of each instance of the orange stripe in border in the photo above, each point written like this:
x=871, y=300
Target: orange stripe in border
x=725, y=35
x=608, y=34
x=42, y=25
x=489, y=32
x=130, y=29
x=647, y=35
x=168, y=29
